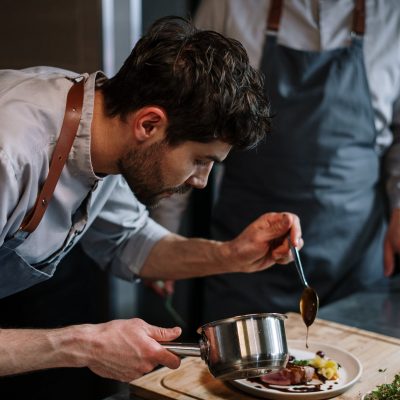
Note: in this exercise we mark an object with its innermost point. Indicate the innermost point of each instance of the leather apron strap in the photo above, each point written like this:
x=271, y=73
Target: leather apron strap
x=275, y=12
x=72, y=117
x=359, y=18
x=274, y=17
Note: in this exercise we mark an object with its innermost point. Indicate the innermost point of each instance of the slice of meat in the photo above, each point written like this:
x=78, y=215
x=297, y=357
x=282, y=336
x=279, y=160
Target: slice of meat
x=291, y=375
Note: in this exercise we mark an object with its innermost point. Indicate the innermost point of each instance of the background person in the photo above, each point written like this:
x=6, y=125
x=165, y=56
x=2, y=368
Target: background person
x=334, y=89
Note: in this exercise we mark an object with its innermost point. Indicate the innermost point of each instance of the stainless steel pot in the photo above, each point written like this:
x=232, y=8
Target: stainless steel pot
x=240, y=347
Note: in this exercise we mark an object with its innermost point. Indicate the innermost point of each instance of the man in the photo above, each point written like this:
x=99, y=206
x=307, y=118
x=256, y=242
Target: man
x=180, y=102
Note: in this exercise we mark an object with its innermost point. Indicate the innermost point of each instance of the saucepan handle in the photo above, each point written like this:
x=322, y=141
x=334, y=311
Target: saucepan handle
x=183, y=349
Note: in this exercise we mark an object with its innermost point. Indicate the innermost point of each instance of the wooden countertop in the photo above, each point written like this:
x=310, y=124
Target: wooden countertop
x=193, y=380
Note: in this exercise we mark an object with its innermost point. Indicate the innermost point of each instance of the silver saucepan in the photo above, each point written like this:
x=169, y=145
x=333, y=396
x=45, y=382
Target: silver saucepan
x=239, y=347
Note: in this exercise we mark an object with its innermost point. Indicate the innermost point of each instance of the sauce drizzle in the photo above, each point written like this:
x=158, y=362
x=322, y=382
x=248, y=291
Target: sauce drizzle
x=304, y=388
x=309, y=307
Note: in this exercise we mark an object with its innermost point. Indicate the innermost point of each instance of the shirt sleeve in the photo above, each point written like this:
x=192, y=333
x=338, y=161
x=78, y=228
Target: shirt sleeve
x=392, y=161
x=9, y=196
x=122, y=235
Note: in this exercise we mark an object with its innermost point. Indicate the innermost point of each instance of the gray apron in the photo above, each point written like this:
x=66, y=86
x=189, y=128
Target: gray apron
x=319, y=162
x=16, y=273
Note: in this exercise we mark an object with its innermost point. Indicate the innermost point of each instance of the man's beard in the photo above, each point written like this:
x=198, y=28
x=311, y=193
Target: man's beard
x=143, y=172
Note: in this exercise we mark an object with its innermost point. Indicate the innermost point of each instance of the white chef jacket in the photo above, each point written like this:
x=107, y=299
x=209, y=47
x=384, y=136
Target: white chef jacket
x=318, y=25
x=114, y=228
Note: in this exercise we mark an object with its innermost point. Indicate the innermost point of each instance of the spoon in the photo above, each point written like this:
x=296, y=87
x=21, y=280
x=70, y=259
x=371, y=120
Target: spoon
x=309, y=300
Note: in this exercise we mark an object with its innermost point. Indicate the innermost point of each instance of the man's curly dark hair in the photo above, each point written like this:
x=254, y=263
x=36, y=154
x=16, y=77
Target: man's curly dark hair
x=202, y=80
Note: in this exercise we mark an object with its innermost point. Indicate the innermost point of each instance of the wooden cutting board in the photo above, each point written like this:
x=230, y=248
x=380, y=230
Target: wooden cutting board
x=192, y=379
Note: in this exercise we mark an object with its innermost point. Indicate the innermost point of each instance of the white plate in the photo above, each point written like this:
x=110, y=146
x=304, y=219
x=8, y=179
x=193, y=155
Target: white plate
x=350, y=372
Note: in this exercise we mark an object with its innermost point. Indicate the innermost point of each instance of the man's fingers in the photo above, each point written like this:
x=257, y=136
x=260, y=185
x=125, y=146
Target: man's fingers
x=164, y=334
x=277, y=224
x=169, y=359
x=165, y=357
x=282, y=254
x=295, y=231
x=280, y=224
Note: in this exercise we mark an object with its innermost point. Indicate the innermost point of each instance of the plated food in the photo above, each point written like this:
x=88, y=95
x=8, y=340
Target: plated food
x=320, y=372
x=308, y=374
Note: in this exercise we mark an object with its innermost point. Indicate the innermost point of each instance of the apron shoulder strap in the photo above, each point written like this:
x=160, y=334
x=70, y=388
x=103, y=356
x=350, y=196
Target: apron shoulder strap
x=359, y=18
x=274, y=17
x=72, y=117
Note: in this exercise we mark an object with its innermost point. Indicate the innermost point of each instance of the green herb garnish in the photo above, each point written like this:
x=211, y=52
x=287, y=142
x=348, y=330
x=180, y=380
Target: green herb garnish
x=300, y=362
x=386, y=391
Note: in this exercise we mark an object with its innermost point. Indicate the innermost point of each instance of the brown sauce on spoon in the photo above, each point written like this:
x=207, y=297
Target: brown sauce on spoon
x=309, y=307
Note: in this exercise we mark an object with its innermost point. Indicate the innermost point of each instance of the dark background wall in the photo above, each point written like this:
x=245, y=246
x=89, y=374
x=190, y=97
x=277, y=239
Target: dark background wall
x=59, y=33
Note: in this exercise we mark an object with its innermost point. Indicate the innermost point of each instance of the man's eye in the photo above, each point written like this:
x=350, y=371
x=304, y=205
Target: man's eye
x=202, y=162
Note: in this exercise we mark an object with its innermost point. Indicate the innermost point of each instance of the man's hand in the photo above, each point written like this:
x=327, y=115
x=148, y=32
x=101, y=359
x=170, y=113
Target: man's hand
x=264, y=243
x=122, y=349
x=392, y=242
x=127, y=349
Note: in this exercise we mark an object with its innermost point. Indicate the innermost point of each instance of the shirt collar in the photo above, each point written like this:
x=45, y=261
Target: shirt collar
x=80, y=152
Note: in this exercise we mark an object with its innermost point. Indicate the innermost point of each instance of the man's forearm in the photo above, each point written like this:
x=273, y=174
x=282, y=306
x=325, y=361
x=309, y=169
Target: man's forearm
x=175, y=257
x=23, y=350
x=260, y=245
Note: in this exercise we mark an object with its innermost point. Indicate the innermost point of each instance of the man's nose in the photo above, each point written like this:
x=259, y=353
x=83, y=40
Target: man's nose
x=197, y=182
x=200, y=178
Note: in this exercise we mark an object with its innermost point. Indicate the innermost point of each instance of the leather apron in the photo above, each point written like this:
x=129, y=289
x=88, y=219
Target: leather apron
x=319, y=162
x=16, y=273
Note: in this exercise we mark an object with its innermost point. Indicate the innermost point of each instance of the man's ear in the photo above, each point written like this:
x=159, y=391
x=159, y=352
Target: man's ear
x=149, y=122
